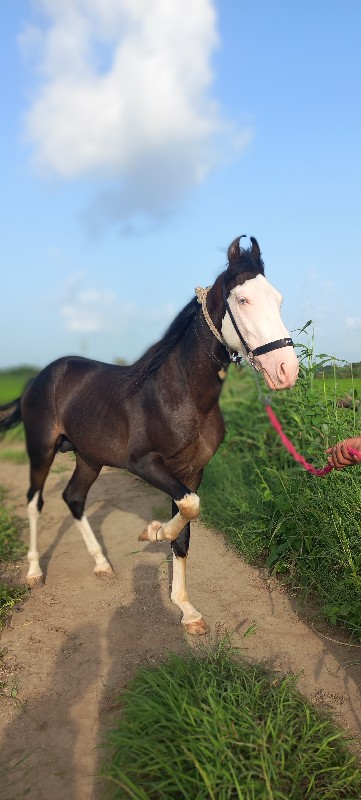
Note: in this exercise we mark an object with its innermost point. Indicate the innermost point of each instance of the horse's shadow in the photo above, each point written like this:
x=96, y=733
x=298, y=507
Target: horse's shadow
x=93, y=662
x=139, y=634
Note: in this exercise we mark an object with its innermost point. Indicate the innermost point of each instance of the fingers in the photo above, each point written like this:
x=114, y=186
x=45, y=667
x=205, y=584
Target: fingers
x=340, y=456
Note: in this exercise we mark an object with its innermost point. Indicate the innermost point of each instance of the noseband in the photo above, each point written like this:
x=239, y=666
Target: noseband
x=258, y=351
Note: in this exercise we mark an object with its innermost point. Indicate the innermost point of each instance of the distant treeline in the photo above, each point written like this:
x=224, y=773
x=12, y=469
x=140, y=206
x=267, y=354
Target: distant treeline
x=346, y=371
x=24, y=372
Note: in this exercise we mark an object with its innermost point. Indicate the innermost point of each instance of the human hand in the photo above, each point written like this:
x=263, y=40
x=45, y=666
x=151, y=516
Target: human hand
x=340, y=455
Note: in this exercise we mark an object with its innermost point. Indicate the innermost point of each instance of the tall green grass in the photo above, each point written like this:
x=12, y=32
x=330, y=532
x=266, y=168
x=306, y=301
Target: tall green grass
x=210, y=727
x=11, y=549
x=305, y=528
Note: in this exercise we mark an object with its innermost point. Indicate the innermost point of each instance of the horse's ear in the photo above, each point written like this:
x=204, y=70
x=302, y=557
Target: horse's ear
x=234, y=251
x=255, y=251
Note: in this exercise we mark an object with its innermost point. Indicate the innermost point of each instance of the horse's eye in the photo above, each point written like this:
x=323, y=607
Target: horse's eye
x=241, y=301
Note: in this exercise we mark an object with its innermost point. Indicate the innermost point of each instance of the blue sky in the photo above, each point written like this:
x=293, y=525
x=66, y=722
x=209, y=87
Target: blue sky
x=139, y=137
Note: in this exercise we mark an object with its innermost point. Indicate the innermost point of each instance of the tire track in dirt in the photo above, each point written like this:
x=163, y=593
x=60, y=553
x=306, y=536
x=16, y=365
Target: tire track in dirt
x=78, y=640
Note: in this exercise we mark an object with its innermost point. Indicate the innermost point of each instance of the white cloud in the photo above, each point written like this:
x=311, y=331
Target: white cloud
x=88, y=311
x=124, y=93
x=353, y=323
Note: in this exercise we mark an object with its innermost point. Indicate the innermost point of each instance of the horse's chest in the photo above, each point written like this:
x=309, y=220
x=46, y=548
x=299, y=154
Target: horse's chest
x=208, y=442
x=198, y=452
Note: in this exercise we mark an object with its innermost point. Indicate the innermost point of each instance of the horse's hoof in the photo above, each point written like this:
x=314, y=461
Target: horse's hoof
x=108, y=572
x=150, y=533
x=35, y=581
x=198, y=627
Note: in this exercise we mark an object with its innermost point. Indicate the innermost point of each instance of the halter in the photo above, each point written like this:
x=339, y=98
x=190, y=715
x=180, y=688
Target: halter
x=263, y=348
x=258, y=351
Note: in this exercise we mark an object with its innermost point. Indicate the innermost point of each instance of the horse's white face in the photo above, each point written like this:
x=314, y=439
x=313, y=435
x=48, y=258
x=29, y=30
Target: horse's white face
x=255, y=306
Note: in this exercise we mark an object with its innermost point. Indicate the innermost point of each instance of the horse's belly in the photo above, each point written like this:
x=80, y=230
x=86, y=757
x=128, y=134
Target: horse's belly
x=106, y=448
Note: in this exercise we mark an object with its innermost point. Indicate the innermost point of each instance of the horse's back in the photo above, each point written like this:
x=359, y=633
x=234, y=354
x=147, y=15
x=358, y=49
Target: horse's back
x=68, y=395
x=66, y=374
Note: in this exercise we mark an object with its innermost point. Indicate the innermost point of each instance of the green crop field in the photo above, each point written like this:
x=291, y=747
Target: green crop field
x=338, y=387
x=13, y=382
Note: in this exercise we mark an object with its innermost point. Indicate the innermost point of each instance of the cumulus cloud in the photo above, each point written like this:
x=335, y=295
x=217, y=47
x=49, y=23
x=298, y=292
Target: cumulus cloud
x=88, y=311
x=124, y=92
x=94, y=311
x=353, y=323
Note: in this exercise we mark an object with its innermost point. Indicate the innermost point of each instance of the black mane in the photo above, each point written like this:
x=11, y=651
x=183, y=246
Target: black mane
x=155, y=356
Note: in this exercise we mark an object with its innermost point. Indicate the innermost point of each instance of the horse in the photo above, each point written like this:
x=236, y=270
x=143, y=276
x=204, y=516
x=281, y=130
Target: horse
x=159, y=418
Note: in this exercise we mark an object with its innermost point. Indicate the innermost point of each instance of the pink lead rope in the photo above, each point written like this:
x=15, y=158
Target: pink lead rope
x=291, y=449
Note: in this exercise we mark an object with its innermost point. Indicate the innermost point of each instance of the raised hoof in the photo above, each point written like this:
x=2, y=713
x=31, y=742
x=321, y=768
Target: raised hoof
x=35, y=581
x=150, y=533
x=105, y=573
x=198, y=627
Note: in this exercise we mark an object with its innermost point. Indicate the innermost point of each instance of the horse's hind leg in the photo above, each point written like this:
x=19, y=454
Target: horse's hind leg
x=40, y=464
x=191, y=618
x=75, y=496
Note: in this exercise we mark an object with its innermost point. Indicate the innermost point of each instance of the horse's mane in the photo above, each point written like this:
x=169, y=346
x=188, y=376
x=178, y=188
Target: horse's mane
x=155, y=356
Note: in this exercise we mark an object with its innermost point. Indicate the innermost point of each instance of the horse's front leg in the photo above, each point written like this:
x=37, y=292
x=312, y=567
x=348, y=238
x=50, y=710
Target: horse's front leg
x=152, y=469
x=186, y=509
x=185, y=506
x=191, y=618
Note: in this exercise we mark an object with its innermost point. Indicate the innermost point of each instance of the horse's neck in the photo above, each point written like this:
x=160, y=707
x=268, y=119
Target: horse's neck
x=203, y=362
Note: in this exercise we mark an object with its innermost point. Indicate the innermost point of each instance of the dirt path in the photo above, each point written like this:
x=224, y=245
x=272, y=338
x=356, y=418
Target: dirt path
x=77, y=641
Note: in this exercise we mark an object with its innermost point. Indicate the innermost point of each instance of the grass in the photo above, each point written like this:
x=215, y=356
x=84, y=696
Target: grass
x=11, y=549
x=16, y=456
x=13, y=382
x=14, y=435
x=305, y=529
x=210, y=727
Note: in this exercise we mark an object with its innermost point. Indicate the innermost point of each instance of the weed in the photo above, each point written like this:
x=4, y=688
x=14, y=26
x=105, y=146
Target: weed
x=306, y=529
x=210, y=726
x=11, y=548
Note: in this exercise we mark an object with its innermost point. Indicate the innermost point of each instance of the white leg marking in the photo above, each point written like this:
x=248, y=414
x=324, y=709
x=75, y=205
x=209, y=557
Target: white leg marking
x=93, y=547
x=156, y=532
x=35, y=574
x=192, y=619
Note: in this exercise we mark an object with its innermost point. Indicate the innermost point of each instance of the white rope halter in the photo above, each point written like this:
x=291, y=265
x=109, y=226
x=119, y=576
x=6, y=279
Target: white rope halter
x=202, y=300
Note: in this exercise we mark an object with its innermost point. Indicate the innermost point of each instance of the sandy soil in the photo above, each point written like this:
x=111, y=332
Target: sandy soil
x=75, y=642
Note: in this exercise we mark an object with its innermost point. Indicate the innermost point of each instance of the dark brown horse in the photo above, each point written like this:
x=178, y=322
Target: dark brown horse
x=158, y=418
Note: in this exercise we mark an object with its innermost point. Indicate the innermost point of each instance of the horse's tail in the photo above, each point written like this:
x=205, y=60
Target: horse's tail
x=10, y=415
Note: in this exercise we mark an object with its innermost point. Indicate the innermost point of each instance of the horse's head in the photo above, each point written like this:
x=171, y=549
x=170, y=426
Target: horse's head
x=252, y=326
